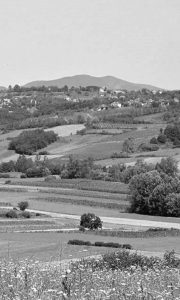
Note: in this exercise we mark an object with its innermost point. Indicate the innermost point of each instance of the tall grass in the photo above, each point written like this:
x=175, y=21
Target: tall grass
x=135, y=278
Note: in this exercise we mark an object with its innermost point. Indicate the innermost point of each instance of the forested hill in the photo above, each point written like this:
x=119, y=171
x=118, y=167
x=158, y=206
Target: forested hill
x=87, y=80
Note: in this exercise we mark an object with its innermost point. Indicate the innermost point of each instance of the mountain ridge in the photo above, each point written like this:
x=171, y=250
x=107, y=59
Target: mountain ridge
x=83, y=80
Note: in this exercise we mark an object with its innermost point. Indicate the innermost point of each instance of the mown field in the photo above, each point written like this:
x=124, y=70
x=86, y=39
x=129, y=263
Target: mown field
x=49, y=246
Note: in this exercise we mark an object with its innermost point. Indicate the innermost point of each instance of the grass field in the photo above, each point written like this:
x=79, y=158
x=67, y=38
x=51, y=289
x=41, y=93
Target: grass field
x=48, y=246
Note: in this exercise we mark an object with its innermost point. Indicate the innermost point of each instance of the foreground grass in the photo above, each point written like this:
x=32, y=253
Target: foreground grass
x=132, y=278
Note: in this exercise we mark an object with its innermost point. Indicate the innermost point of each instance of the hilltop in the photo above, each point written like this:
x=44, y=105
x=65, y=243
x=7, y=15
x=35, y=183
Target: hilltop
x=87, y=80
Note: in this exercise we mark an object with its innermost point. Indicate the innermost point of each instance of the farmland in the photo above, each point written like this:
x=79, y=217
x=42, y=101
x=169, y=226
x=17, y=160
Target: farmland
x=60, y=201
x=48, y=246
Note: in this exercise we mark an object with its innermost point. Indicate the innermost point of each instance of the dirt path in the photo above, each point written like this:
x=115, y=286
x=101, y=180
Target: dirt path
x=118, y=221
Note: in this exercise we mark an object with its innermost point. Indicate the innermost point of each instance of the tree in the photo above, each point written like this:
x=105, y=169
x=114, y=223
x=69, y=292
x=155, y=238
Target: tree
x=17, y=88
x=168, y=165
x=90, y=221
x=23, y=205
x=173, y=205
x=141, y=187
x=128, y=146
x=162, y=138
x=172, y=132
x=23, y=163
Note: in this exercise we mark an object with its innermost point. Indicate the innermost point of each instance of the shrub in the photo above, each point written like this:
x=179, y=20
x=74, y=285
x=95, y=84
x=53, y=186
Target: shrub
x=23, y=176
x=128, y=145
x=7, y=166
x=120, y=155
x=7, y=181
x=99, y=244
x=23, y=205
x=168, y=166
x=148, y=147
x=127, y=246
x=79, y=243
x=43, y=152
x=124, y=259
x=26, y=214
x=81, y=132
x=162, y=138
x=4, y=175
x=81, y=228
x=37, y=171
x=153, y=140
x=90, y=221
x=12, y=214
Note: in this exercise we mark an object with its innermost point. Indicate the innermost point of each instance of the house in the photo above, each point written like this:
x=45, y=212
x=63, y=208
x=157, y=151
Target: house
x=102, y=107
x=116, y=104
x=119, y=92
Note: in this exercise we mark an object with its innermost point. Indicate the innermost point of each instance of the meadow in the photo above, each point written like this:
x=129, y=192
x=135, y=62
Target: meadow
x=49, y=246
x=32, y=257
x=114, y=276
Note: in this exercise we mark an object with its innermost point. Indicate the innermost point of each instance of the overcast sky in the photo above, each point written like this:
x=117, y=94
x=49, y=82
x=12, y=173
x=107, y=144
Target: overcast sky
x=135, y=40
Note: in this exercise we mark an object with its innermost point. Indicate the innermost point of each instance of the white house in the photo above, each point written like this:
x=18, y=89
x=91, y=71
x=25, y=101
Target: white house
x=116, y=104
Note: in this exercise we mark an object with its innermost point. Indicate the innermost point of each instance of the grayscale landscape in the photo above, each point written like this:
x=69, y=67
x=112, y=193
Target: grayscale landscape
x=89, y=162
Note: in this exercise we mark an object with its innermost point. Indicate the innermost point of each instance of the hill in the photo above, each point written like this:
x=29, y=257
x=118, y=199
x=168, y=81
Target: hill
x=2, y=88
x=87, y=80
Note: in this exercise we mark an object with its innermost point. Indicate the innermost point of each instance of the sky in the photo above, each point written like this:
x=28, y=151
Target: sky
x=135, y=40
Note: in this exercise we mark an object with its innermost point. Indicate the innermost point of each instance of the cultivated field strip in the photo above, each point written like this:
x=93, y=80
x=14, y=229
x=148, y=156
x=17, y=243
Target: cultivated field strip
x=78, y=184
x=122, y=205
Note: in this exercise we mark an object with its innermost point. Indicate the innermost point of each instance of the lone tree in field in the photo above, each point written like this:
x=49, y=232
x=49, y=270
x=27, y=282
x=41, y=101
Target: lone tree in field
x=90, y=221
x=128, y=145
x=23, y=205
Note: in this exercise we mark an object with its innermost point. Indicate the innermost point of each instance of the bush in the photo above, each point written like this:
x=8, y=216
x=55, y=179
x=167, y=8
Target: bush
x=153, y=140
x=99, y=244
x=43, y=152
x=26, y=214
x=162, y=138
x=4, y=175
x=7, y=181
x=168, y=166
x=7, y=167
x=37, y=171
x=12, y=214
x=81, y=132
x=79, y=243
x=127, y=246
x=120, y=155
x=81, y=228
x=90, y=221
x=128, y=146
x=23, y=205
x=124, y=259
x=23, y=176
x=148, y=147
